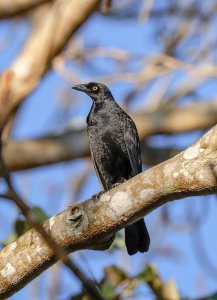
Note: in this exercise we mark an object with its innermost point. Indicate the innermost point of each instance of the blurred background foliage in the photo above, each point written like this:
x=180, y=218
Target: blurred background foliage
x=159, y=58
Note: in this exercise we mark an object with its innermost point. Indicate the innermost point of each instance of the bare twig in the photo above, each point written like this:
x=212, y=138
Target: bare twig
x=162, y=290
x=106, y=4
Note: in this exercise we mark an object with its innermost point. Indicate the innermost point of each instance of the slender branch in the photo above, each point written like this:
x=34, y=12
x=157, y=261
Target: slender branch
x=58, y=253
x=162, y=290
x=91, y=224
x=105, y=6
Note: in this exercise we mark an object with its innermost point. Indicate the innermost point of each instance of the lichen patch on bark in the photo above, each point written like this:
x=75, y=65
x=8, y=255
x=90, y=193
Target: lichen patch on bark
x=120, y=204
x=192, y=152
x=105, y=198
x=7, y=270
x=169, y=168
x=28, y=258
x=51, y=222
x=13, y=246
x=175, y=174
x=22, y=69
x=146, y=194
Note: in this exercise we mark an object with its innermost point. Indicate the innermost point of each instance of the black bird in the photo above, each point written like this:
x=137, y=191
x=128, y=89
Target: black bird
x=115, y=150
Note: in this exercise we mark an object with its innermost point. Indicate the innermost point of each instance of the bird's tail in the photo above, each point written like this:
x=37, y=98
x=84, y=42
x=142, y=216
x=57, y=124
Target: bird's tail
x=137, y=237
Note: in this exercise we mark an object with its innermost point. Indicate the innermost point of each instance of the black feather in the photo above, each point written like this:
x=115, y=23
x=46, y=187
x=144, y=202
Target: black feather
x=115, y=149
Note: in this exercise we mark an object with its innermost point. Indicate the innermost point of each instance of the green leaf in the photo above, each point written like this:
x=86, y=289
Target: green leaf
x=214, y=296
x=148, y=273
x=21, y=226
x=107, y=291
x=40, y=213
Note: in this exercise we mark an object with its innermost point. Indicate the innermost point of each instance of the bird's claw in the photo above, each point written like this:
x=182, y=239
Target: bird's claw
x=115, y=185
x=118, y=183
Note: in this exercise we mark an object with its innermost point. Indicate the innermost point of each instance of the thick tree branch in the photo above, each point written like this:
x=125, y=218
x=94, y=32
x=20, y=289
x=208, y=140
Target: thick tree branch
x=200, y=115
x=90, y=224
x=10, y=9
x=52, y=36
x=69, y=145
x=72, y=144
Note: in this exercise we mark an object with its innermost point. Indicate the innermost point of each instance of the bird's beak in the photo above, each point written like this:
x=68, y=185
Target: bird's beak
x=80, y=87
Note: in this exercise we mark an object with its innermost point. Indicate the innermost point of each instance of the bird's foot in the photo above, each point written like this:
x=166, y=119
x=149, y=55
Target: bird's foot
x=118, y=183
x=115, y=185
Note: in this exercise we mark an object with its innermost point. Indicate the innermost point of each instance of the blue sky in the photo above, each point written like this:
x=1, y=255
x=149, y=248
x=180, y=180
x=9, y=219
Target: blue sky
x=48, y=188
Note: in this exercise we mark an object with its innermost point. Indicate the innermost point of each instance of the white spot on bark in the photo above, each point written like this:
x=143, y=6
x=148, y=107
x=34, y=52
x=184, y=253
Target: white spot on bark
x=192, y=152
x=22, y=69
x=200, y=176
x=51, y=222
x=176, y=174
x=147, y=181
x=105, y=198
x=146, y=194
x=38, y=248
x=185, y=173
x=8, y=270
x=28, y=258
x=169, y=168
x=13, y=246
x=120, y=204
x=215, y=170
x=207, y=137
x=186, y=164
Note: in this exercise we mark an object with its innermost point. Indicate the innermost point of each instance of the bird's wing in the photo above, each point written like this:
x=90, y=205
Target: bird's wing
x=98, y=173
x=132, y=144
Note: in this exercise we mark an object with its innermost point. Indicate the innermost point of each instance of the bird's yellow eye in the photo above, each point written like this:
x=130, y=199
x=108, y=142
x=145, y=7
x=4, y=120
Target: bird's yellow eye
x=95, y=88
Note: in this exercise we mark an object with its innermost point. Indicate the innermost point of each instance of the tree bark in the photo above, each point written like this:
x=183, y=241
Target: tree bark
x=10, y=9
x=47, y=39
x=91, y=224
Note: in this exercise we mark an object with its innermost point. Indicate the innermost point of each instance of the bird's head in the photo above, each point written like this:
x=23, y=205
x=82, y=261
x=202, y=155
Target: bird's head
x=97, y=91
